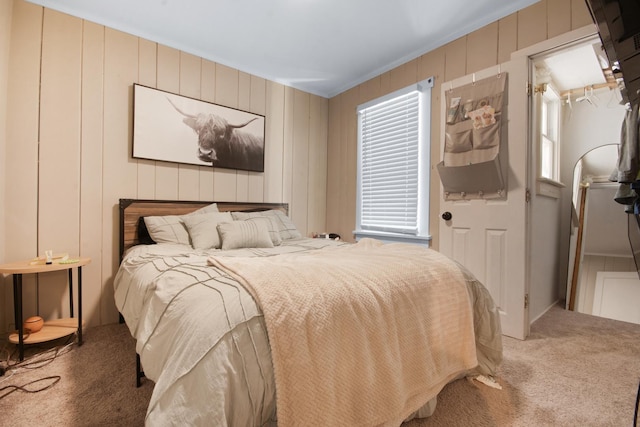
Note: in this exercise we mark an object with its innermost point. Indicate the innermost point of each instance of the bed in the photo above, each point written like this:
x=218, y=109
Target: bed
x=229, y=303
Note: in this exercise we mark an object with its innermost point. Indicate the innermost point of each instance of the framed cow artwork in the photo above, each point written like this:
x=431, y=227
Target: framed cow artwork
x=174, y=128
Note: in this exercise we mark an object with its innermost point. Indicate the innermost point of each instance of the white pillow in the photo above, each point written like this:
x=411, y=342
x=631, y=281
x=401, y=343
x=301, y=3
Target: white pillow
x=167, y=229
x=272, y=227
x=285, y=226
x=244, y=234
x=203, y=229
x=170, y=228
x=213, y=207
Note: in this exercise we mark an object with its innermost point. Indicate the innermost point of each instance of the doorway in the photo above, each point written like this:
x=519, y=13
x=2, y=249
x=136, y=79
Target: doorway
x=590, y=116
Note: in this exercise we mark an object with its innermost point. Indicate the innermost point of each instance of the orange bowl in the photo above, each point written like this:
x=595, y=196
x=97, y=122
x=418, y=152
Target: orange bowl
x=33, y=324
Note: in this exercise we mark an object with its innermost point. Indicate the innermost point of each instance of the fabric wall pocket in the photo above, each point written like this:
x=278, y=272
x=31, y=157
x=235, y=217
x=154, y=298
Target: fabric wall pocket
x=474, y=158
x=486, y=136
x=459, y=137
x=486, y=180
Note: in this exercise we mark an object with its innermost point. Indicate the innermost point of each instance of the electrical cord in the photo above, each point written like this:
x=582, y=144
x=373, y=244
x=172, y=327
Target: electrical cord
x=33, y=362
x=40, y=359
x=24, y=388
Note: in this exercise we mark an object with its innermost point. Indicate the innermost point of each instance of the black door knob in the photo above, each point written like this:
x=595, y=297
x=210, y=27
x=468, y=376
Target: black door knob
x=447, y=216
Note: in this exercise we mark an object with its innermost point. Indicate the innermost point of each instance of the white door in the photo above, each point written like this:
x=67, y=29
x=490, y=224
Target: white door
x=489, y=237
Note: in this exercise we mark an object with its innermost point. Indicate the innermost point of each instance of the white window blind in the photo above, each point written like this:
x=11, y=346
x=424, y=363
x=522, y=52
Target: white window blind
x=391, y=166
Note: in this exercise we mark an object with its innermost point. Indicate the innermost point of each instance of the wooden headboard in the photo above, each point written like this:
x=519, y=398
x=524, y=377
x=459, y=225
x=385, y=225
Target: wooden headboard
x=132, y=210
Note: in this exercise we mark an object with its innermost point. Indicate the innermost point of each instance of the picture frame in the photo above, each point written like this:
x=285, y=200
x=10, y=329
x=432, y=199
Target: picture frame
x=174, y=128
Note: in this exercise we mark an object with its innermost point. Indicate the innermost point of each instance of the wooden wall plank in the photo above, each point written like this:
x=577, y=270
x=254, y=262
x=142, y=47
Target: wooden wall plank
x=6, y=16
x=59, y=153
x=482, y=48
x=258, y=105
x=190, y=77
x=21, y=197
x=431, y=64
x=507, y=37
x=119, y=169
x=243, y=103
x=345, y=167
x=166, y=184
x=351, y=157
x=532, y=24
x=348, y=160
x=317, y=184
x=287, y=149
x=224, y=185
x=334, y=171
x=244, y=92
x=580, y=15
x=207, y=93
x=300, y=158
x=147, y=72
x=370, y=90
x=403, y=75
x=227, y=87
x=91, y=167
x=147, y=62
x=385, y=83
x=168, y=69
x=558, y=17
x=274, y=143
x=455, y=59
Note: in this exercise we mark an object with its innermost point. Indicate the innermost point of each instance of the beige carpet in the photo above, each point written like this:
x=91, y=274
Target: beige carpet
x=573, y=370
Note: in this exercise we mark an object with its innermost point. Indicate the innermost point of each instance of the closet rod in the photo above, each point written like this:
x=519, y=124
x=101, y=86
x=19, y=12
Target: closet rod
x=581, y=90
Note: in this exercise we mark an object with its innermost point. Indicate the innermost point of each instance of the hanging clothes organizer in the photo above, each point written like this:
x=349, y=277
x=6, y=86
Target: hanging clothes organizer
x=475, y=157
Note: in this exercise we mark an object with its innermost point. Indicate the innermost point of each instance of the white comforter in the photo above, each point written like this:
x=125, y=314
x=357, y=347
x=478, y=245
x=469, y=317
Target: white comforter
x=202, y=338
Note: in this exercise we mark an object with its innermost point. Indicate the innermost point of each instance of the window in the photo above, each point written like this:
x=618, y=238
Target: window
x=549, y=135
x=393, y=165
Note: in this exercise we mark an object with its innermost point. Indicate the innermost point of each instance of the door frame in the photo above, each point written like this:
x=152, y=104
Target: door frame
x=534, y=53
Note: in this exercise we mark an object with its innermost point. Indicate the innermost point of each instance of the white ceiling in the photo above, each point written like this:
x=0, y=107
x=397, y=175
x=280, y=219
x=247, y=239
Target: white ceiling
x=320, y=46
x=575, y=68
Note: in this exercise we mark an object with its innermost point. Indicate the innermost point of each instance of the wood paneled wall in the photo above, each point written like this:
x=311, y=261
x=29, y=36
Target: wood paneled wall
x=69, y=145
x=486, y=47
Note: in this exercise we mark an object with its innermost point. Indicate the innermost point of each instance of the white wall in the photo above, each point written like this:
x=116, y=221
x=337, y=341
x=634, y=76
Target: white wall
x=606, y=231
x=585, y=127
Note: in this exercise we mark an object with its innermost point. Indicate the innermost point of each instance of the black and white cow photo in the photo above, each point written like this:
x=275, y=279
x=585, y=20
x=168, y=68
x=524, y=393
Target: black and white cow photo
x=175, y=128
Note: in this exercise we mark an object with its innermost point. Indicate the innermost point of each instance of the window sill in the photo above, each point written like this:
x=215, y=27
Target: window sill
x=392, y=237
x=549, y=188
